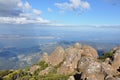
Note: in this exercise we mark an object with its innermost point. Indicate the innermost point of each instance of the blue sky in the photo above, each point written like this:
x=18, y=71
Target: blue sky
x=60, y=12
x=101, y=12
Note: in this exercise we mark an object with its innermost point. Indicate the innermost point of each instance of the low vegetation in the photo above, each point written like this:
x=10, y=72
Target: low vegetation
x=106, y=55
x=25, y=74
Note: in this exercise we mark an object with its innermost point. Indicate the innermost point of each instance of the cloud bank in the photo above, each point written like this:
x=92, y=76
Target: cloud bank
x=74, y=5
x=9, y=8
x=18, y=12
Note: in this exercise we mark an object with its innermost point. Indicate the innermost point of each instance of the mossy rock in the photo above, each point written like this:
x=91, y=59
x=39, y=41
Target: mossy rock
x=43, y=65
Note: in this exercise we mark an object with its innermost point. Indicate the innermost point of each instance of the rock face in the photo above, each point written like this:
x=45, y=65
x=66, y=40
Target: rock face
x=45, y=57
x=72, y=57
x=116, y=58
x=57, y=56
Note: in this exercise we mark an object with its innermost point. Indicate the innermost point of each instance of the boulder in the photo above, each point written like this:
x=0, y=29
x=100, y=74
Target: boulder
x=107, y=69
x=109, y=77
x=115, y=49
x=116, y=59
x=71, y=78
x=89, y=52
x=57, y=56
x=90, y=68
x=77, y=45
x=108, y=61
x=45, y=57
x=73, y=55
x=93, y=69
x=95, y=77
x=84, y=62
x=117, y=79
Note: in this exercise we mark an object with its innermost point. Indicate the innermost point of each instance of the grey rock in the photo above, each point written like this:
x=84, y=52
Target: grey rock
x=73, y=55
x=71, y=78
x=44, y=57
x=57, y=56
x=89, y=52
x=77, y=45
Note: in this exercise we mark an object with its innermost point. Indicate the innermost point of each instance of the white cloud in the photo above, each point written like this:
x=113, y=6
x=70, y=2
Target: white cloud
x=63, y=5
x=20, y=4
x=9, y=8
x=74, y=5
x=18, y=12
x=37, y=11
x=27, y=5
x=28, y=9
x=8, y=5
x=23, y=20
x=85, y=5
x=11, y=20
x=49, y=10
x=25, y=15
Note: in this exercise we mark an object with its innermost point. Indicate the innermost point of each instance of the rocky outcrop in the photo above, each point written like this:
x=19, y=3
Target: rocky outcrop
x=84, y=60
x=68, y=59
x=76, y=63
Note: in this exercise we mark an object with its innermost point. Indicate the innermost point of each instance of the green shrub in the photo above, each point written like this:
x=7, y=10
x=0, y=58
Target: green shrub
x=5, y=72
x=42, y=65
x=16, y=75
x=106, y=55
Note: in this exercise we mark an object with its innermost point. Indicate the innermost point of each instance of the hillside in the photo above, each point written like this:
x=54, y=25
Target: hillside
x=77, y=62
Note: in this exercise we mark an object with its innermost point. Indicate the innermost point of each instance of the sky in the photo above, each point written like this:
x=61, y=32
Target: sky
x=60, y=12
